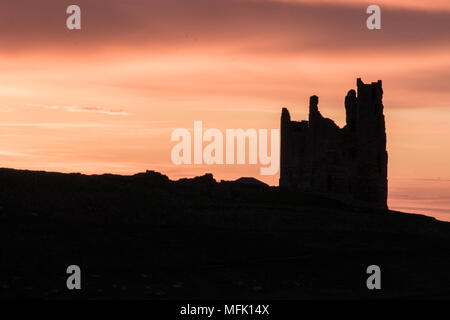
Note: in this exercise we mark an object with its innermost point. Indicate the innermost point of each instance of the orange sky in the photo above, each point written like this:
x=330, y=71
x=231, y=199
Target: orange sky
x=106, y=98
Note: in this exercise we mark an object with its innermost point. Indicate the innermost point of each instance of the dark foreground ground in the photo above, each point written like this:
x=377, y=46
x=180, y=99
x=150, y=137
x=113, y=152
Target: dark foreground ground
x=145, y=237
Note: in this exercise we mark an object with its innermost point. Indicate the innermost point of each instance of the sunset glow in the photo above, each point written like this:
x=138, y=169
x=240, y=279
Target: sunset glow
x=105, y=99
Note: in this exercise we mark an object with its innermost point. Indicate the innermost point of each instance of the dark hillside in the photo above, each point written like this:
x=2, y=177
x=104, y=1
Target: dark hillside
x=145, y=236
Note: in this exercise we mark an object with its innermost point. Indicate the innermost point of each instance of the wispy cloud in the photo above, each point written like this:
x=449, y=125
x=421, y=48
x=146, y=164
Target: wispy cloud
x=113, y=112
x=433, y=179
x=37, y=105
x=13, y=154
x=245, y=25
x=408, y=4
x=57, y=125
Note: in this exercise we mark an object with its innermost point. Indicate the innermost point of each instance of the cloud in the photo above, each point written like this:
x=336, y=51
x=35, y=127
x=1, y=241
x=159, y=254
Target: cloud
x=37, y=105
x=113, y=112
x=98, y=110
x=245, y=26
x=57, y=125
x=14, y=154
x=433, y=180
x=405, y=4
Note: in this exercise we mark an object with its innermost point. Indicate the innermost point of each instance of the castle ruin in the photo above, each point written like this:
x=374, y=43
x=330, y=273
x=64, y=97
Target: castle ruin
x=349, y=163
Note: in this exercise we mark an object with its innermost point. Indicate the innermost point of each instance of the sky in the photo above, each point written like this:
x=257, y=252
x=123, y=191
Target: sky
x=106, y=98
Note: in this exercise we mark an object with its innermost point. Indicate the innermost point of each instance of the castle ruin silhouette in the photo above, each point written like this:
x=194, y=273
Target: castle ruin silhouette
x=349, y=163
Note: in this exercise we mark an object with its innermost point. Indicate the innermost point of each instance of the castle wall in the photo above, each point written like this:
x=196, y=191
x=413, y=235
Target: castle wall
x=347, y=163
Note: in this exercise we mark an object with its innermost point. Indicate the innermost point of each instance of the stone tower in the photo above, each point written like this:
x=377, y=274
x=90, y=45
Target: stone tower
x=350, y=163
